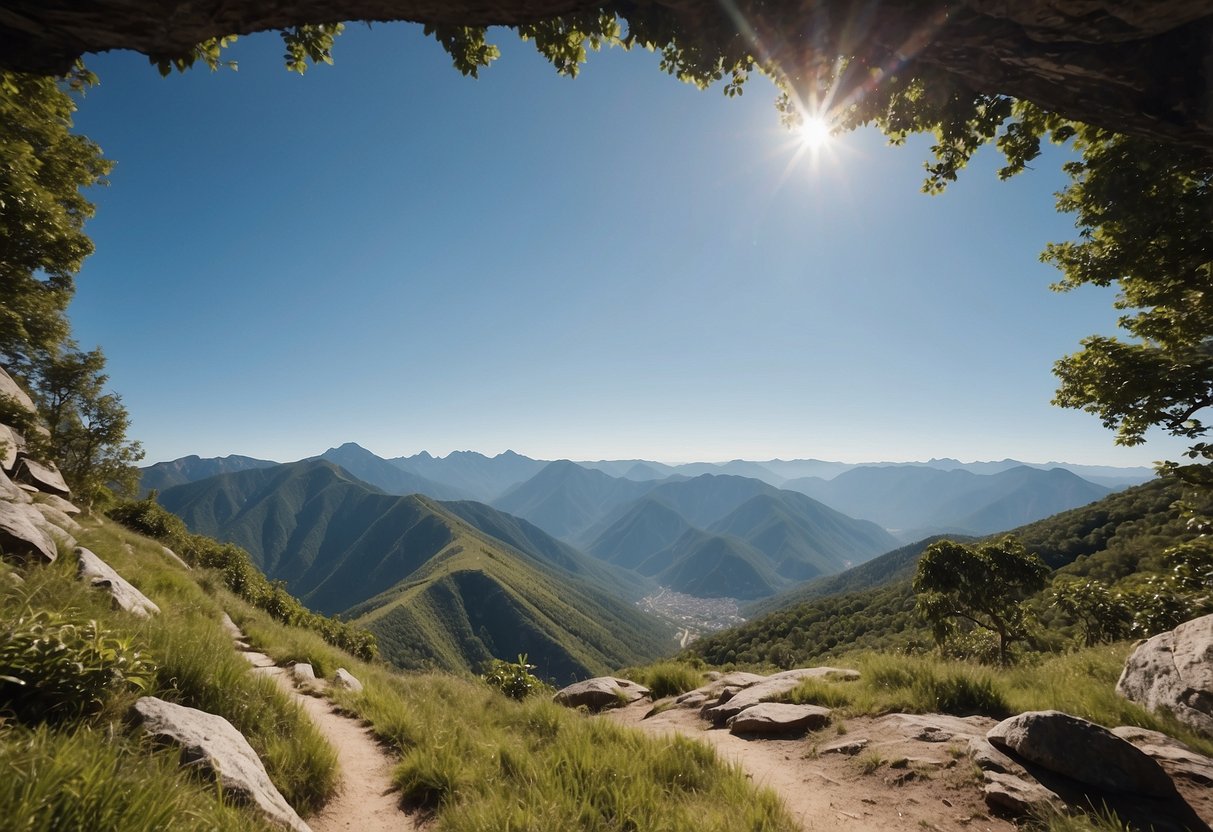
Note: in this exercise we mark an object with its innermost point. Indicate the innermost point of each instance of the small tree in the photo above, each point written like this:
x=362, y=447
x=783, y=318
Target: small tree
x=984, y=584
x=1101, y=613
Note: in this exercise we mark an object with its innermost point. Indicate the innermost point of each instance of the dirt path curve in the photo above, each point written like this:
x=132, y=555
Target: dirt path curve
x=929, y=789
x=366, y=800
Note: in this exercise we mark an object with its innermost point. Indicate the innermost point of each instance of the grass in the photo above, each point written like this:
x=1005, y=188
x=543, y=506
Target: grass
x=665, y=678
x=194, y=665
x=1081, y=683
x=478, y=760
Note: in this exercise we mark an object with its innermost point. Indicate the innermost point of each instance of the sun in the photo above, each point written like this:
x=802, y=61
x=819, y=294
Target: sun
x=814, y=132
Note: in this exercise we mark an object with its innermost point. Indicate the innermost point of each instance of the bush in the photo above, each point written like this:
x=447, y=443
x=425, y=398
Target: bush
x=54, y=666
x=514, y=679
x=666, y=679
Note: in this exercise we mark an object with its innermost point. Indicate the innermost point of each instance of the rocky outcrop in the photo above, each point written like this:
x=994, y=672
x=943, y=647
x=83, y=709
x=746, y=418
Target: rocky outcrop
x=59, y=504
x=24, y=534
x=57, y=519
x=10, y=389
x=1082, y=751
x=1173, y=672
x=779, y=718
x=344, y=680
x=212, y=742
x=600, y=692
x=10, y=446
x=1015, y=795
x=43, y=476
x=100, y=575
x=11, y=492
x=769, y=688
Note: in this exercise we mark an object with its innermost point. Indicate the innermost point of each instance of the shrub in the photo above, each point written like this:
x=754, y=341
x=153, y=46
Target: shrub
x=55, y=666
x=666, y=678
x=514, y=679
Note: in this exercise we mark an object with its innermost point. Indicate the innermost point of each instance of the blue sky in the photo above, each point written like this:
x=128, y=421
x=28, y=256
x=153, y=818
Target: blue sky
x=383, y=251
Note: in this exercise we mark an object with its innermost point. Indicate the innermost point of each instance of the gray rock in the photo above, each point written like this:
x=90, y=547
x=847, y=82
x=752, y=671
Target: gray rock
x=1013, y=795
x=847, y=747
x=10, y=444
x=10, y=389
x=778, y=718
x=57, y=502
x=303, y=673
x=57, y=518
x=1082, y=751
x=100, y=575
x=213, y=743
x=344, y=680
x=600, y=692
x=1178, y=759
x=43, y=476
x=691, y=699
x=24, y=535
x=988, y=758
x=936, y=727
x=12, y=492
x=175, y=558
x=1173, y=671
x=769, y=688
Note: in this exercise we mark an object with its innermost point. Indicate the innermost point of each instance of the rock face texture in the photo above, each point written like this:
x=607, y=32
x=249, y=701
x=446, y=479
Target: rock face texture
x=212, y=742
x=43, y=476
x=10, y=389
x=778, y=718
x=100, y=575
x=1083, y=751
x=1173, y=671
x=9, y=446
x=1170, y=753
x=11, y=492
x=600, y=692
x=23, y=533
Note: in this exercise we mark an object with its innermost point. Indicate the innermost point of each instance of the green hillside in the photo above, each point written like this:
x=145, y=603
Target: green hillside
x=565, y=499
x=647, y=527
x=192, y=468
x=871, y=606
x=712, y=566
x=338, y=543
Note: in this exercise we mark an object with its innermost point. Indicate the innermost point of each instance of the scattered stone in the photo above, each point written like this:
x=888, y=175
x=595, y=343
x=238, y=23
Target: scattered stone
x=344, y=680
x=779, y=718
x=66, y=506
x=693, y=699
x=1082, y=751
x=726, y=693
x=303, y=673
x=936, y=727
x=1177, y=758
x=769, y=688
x=1173, y=671
x=173, y=556
x=23, y=534
x=600, y=692
x=1018, y=796
x=212, y=742
x=848, y=747
x=43, y=476
x=100, y=575
x=229, y=626
x=10, y=389
x=258, y=660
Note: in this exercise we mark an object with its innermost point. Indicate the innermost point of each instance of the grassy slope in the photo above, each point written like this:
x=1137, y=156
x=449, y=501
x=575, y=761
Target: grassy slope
x=95, y=773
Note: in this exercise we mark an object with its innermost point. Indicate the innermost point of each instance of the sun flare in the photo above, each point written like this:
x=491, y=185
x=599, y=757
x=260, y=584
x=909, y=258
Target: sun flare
x=814, y=132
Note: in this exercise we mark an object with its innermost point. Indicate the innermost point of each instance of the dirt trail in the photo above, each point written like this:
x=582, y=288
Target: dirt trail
x=930, y=787
x=366, y=801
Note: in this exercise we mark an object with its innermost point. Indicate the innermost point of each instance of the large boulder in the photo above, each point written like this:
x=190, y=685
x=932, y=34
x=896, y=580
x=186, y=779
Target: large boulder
x=769, y=688
x=43, y=476
x=57, y=519
x=1173, y=671
x=779, y=718
x=600, y=692
x=344, y=680
x=1082, y=751
x=58, y=503
x=11, y=390
x=100, y=575
x=1178, y=759
x=10, y=491
x=212, y=742
x=24, y=535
